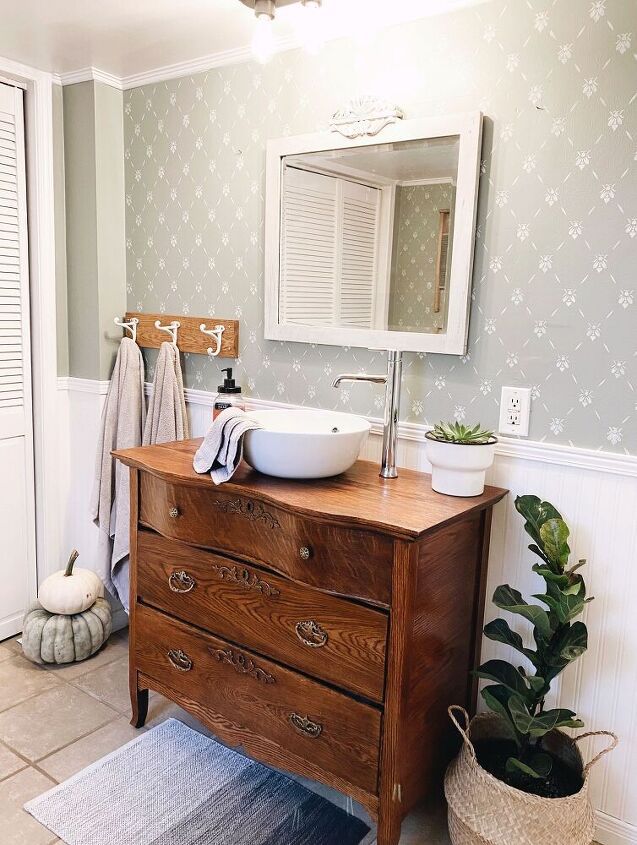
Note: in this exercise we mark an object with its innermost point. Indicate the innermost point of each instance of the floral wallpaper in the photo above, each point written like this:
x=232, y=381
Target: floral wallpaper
x=554, y=290
x=413, y=272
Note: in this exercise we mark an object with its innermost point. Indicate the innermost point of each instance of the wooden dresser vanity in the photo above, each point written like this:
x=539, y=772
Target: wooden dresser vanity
x=323, y=626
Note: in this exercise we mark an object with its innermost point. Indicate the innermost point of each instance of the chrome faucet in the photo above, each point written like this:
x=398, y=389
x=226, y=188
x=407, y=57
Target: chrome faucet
x=392, y=382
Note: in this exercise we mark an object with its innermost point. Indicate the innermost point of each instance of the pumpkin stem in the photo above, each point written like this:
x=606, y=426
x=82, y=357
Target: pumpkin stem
x=69, y=566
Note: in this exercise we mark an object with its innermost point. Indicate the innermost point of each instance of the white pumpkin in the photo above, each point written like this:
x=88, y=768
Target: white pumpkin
x=70, y=590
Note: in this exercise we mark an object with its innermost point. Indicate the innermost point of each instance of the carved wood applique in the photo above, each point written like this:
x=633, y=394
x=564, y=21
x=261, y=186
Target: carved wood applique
x=254, y=511
x=243, y=665
x=365, y=115
x=245, y=578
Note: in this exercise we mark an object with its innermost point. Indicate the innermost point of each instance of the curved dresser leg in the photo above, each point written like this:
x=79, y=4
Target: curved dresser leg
x=139, y=706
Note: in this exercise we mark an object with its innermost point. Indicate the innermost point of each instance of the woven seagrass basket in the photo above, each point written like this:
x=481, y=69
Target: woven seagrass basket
x=485, y=811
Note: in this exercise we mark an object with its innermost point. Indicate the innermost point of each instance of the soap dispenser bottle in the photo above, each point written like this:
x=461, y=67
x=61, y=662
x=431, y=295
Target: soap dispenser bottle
x=229, y=395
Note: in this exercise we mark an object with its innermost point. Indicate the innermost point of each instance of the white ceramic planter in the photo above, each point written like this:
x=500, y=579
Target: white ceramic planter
x=458, y=469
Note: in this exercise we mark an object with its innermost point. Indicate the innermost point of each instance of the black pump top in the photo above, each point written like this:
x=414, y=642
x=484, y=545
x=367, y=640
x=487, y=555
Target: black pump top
x=228, y=385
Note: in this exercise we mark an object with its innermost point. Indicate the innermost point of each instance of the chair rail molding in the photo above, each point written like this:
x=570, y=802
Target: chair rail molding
x=530, y=450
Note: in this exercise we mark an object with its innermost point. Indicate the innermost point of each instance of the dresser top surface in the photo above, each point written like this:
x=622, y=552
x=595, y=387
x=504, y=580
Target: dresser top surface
x=405, y=506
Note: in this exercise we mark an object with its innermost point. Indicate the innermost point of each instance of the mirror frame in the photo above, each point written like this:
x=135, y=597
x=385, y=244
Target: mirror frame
x=468, y=126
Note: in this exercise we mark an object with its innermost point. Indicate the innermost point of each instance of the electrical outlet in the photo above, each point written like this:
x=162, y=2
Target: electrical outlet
x=515, y=410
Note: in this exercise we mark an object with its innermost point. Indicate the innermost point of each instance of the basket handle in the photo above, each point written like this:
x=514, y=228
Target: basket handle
x=463, y=731
x=613, y=744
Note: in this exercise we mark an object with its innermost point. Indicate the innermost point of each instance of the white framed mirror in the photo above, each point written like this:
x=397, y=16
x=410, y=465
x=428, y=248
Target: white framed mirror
x=369, y=241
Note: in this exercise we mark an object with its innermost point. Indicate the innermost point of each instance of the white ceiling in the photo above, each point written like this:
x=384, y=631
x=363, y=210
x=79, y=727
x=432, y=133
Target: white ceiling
x=130, y=37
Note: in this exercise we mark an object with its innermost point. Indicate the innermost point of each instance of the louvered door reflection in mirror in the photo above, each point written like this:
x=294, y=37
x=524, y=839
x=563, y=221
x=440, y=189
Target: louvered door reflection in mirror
x=330, y=251
x=370, y=242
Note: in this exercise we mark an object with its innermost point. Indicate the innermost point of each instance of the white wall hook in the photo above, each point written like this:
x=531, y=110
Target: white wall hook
x=216, y=333
x=129, y=326
x=171, y=329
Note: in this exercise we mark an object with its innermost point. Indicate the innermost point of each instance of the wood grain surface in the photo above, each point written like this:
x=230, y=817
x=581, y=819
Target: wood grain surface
x=386, y=577
x=189, y=336
x=446, y=602
x=343, y=560
x=263, y=697
x=138, y=694
x=260, y=610
x=401, y=507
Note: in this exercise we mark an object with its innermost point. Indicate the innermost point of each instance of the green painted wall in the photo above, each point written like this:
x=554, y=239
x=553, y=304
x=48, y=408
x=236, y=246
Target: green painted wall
x=110, y=220
x=415, y=256
x=61, y=294
x=554, y=295
x=95, y=226
x=81, y=229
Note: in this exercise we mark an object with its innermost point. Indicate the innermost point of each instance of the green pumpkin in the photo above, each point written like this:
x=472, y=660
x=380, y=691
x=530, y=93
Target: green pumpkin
x=60, y=638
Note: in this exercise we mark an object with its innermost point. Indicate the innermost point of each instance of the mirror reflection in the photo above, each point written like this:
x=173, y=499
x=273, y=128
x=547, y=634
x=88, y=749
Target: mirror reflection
x=366, y=236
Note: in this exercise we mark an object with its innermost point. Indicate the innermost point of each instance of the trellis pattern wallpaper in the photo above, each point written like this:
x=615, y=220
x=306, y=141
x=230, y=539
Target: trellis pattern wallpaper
x=413, y=272
x=555, y=289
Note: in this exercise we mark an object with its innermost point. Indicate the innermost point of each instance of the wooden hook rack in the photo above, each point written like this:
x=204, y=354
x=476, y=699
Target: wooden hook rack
x=190, y=338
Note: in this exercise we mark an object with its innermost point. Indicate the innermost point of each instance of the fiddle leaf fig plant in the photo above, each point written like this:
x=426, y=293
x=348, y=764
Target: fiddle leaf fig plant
x=518, y=695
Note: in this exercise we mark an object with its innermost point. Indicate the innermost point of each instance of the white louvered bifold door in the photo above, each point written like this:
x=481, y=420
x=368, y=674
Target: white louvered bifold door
x=308, y=241
x=17, y=511
x=360, y=210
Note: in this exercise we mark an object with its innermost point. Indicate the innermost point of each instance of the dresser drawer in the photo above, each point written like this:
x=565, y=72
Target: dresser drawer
x=301, y=716
x=342, y=560
x=328, y=637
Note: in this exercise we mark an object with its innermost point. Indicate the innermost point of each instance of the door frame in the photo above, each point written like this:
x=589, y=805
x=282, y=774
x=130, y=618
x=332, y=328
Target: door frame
x=38, y=118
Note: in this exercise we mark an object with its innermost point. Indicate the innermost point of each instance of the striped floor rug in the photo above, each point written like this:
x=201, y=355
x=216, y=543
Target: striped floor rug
x=174, y=786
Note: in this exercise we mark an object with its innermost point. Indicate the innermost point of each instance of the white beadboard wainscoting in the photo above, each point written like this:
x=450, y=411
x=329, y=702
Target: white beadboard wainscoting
x=596, y=493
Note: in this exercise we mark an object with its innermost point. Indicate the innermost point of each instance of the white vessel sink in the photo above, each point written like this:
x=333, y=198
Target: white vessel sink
x=304, y=444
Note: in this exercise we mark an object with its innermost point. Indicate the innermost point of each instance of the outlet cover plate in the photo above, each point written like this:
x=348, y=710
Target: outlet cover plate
x=515, y=411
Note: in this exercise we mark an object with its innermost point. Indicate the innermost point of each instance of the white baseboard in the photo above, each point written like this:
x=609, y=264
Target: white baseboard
x=612, y=831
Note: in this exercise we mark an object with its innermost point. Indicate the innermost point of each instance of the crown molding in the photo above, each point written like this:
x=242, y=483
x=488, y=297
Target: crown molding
x=88, y=74
x=234, y=56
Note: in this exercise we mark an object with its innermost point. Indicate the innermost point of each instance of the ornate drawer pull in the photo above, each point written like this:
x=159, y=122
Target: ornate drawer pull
x=180, y=660
x=181, y=582
x=173, y=513
x=311, y=634
x=305, y=553
x=304, y=725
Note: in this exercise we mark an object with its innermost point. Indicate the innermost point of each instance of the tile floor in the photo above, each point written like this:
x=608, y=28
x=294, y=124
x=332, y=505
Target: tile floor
x=54, y=721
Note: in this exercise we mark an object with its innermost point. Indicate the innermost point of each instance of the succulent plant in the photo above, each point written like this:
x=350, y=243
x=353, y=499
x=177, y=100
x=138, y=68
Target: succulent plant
x=455, y=432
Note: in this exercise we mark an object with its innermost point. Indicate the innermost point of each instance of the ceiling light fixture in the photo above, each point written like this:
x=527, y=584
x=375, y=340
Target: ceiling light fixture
x=311, y=27
x=263, y=43
x=263, y=38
